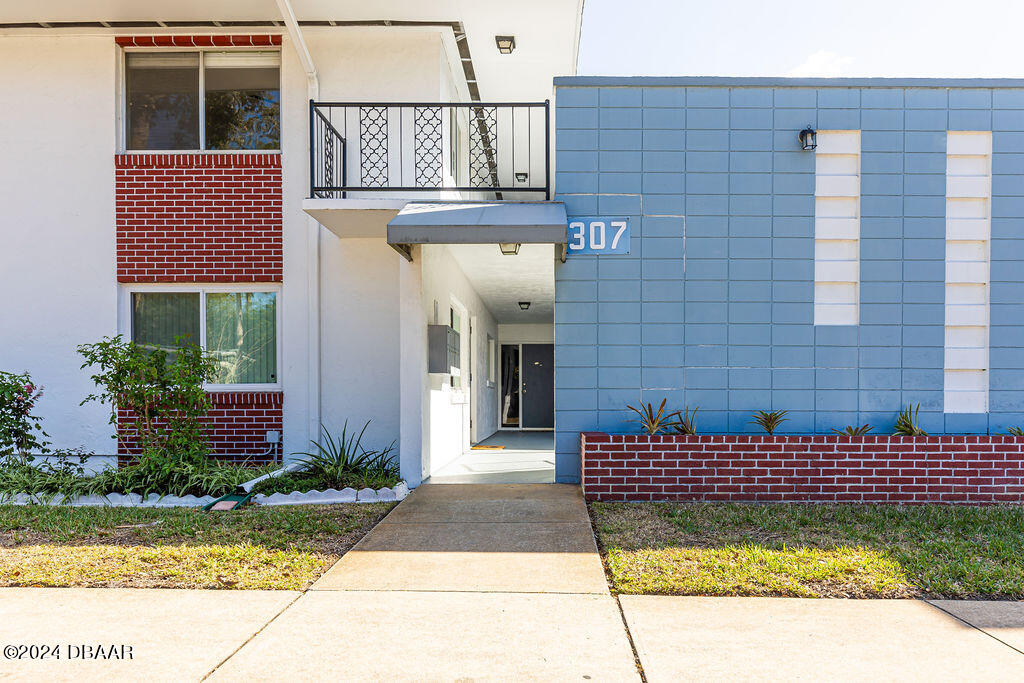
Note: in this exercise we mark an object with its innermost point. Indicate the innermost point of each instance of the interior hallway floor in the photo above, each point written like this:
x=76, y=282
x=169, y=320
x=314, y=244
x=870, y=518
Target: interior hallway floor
x=528, y=457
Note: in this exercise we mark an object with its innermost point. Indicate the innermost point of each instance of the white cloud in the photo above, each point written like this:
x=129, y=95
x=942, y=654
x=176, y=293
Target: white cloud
x=823, y=63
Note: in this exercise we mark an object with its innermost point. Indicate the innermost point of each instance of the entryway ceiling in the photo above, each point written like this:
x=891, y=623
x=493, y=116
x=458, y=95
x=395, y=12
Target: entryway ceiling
x=503, y=281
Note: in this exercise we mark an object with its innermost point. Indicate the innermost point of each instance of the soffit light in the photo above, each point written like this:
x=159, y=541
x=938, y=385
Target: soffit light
x=505, y=44
x=524, y=305
x=509, y=248
x=808, y=138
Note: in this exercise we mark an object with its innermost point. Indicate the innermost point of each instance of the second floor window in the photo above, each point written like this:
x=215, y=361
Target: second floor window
x=203, y=101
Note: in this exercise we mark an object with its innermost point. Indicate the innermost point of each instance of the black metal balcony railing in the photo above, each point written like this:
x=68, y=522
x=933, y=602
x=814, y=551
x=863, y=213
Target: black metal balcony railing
x=475, y=149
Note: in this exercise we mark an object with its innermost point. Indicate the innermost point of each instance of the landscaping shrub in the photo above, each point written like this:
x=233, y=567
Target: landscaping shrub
x=337, y=462
x=162, y=394
x=21, y=432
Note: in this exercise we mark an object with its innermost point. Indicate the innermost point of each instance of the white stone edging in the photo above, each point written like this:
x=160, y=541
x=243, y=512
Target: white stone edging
x=328, y=497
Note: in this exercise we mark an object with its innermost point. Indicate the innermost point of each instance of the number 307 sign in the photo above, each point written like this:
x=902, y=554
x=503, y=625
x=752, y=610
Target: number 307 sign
x=598, y=235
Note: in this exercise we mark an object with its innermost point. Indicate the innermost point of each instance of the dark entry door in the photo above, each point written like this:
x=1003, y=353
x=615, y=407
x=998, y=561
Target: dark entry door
x=538, y=373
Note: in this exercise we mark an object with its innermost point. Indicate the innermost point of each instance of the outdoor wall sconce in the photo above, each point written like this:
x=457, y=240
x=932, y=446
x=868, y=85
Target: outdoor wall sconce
x=808, y=138
x=524, y=305
x=521, y=176
x=509, y=248
x=505, y=44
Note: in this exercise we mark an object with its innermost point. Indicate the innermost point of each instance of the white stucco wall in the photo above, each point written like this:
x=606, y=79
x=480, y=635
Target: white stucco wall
x=446, y=411
x=58, y=128
x=57, y=245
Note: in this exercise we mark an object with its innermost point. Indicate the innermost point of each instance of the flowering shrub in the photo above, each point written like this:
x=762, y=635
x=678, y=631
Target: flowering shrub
x=21, y=432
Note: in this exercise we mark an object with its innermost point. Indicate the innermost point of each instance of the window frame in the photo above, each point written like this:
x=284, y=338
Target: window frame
x=125, y=320
x=122, y=110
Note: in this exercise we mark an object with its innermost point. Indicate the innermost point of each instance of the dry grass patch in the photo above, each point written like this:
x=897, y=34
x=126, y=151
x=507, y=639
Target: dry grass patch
x=854, y=551
x=285, y=547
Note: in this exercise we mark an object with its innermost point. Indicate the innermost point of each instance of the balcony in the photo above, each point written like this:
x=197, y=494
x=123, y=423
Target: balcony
x=373, y=157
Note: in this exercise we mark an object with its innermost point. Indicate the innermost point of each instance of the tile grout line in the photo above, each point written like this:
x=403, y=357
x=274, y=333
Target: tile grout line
x=976, y=628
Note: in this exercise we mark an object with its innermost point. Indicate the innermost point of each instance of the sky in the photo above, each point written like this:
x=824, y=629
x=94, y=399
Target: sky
x=874, y=38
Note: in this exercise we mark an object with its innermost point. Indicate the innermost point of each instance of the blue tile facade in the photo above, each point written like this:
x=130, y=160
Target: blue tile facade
x=713, y=307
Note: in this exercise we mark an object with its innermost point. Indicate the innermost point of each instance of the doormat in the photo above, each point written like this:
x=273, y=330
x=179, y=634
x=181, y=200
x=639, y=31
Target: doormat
x=482, y=447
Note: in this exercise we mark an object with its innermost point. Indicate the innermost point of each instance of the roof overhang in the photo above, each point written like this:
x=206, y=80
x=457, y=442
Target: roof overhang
x=472, y=222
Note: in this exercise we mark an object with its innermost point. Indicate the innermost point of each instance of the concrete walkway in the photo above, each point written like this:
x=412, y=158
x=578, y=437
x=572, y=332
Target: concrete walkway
x=458, y=582
x=499, y=582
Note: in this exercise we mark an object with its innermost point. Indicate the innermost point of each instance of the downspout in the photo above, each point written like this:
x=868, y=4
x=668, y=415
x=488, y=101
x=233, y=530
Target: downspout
x=313, y=285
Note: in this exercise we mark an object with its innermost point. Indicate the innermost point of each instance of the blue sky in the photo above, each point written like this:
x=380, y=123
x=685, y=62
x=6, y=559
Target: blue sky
x=975, y=38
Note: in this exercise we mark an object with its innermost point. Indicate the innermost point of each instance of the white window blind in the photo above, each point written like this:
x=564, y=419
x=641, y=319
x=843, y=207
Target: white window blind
x=837, y=228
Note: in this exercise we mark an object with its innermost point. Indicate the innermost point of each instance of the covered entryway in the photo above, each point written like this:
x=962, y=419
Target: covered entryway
x=487, y=287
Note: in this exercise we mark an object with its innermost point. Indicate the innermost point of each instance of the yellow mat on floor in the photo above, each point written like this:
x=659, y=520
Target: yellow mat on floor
x=482, y=447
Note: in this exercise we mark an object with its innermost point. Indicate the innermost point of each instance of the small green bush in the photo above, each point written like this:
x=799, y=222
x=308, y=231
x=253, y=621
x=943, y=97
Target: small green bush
x=165, y=400
x=21, y=431
x=337, y=461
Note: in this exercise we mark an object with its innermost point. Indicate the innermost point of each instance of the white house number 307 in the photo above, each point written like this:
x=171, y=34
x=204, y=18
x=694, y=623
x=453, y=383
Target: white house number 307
x=599, y=236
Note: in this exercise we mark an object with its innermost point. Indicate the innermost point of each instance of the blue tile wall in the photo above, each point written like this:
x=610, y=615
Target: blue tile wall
x=713, y=307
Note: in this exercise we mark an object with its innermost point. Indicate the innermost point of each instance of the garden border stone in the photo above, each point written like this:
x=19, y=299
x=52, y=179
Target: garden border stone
x=328, y=497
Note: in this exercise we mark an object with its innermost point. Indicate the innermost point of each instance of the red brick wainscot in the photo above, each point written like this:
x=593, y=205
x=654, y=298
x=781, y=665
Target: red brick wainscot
x=238, y=425
x=968, y=469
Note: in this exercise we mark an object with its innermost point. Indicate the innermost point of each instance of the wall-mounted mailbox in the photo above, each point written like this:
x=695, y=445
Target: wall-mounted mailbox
x=442, y=349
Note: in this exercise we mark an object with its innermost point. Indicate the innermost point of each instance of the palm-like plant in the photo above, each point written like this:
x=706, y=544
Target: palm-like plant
x=906, y=423
x=850, y=430
x=770, y=421
x=1015, y=431
x=651, y=421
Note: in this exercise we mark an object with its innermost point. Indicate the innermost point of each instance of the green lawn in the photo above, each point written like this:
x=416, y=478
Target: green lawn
x=855, y=551
x=286, y=547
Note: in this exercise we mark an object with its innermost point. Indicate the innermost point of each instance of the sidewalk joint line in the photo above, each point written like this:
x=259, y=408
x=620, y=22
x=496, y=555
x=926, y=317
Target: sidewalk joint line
x=977, y=628
x=255, y=633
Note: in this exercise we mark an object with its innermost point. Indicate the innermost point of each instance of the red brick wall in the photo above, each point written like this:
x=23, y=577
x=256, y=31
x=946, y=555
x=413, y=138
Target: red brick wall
x=820, y=469
x=239, y=422
x=198, y=217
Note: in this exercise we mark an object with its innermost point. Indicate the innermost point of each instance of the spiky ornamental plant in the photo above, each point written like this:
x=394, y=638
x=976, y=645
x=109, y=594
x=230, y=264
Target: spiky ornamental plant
x=906, y=423
x=770, y=421
x=653, y=421
x=686, y=422
x=850, y=430
x=1015, y=431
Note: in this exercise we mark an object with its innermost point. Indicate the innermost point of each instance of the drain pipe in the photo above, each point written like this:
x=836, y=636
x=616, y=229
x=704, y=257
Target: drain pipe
x=313, y=285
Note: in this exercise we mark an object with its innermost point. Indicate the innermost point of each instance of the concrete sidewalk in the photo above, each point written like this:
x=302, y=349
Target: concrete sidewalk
x=499, y=583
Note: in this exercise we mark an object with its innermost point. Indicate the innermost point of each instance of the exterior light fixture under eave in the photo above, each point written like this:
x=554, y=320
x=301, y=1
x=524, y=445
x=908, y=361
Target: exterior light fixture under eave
x=506, y=44
x=522, y=176
x=509, y=248
x=524, y=305
x=808, y=138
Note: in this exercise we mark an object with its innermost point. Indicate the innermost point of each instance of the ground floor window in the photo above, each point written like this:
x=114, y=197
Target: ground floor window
x=238, y=328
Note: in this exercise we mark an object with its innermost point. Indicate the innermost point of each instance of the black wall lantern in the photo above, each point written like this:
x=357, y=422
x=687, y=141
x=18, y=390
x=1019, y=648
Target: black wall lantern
x=524, y=305
x=505, y=44
x=808, y=138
